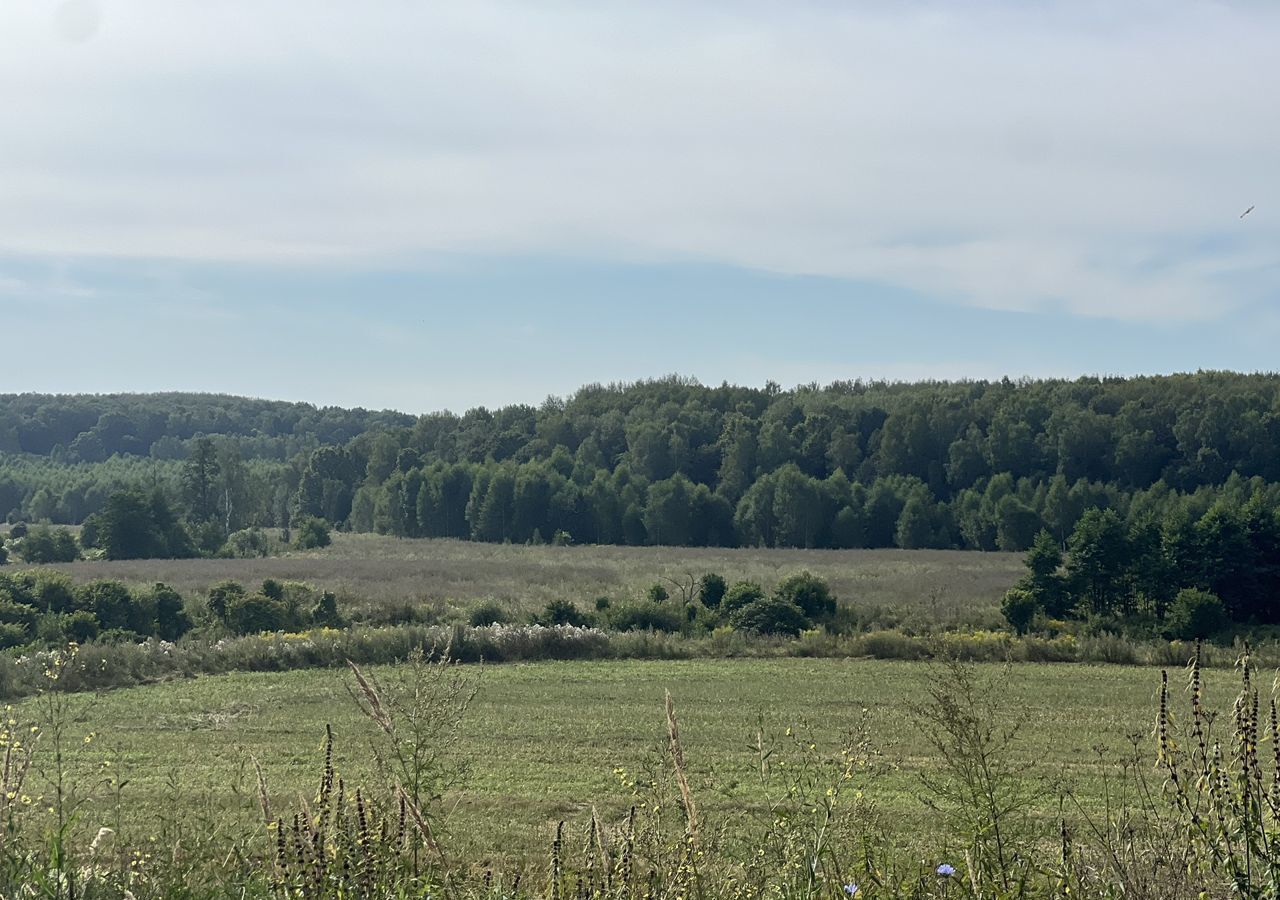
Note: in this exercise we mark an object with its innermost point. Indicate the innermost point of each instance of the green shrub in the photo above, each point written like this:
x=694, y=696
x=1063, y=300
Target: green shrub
x=561, y=612
x=53, y=592
x=657, y=593
x=603, y=603
x=738, y=596
x=770, y=615
x=248, y=543
x=810, y=593
x=80, y=626
x=325, y=612
x=1019, y=607
x=254, y=613
x=109, y=601
x=488, y=613
x=19, y=614
x=12, y=634
x=168, y=611
x=711, y=589
x=311, y=533
x=1196, y=614
x=646, y=617
x=49, y=545
x=221, y=596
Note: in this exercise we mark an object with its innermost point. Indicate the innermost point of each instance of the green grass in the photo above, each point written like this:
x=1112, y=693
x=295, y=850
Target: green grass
x=544, y=739
x=918, y=588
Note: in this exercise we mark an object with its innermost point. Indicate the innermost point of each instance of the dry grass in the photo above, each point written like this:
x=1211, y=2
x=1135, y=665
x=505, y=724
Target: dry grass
x=912, y=587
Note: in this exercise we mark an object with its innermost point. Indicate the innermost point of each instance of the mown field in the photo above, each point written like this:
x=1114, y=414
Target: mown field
x=917, y=588
x=544, y=739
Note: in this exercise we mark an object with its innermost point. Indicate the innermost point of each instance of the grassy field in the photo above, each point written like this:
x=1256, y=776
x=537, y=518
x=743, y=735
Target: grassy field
x=544, y=739
x=918, y=588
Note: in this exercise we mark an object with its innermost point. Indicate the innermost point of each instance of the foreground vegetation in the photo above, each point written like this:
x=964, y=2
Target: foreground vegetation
x=770, y=779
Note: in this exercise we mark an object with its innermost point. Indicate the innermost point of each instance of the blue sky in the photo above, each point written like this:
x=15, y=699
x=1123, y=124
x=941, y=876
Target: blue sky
x=435, y=205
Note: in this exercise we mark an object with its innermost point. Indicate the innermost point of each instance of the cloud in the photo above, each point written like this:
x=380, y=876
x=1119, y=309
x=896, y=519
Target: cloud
x=1077, y=156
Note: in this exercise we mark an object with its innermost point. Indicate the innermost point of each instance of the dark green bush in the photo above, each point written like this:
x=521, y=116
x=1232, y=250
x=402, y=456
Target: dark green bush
x=247, y=544
x=561, y=612
x=770, y=615
x=646, y=617
x=810, y=593
x=1196, y=614
x=49, y=545
x=1019, y=607
x=169, y=620
x=221, y=596
x=12, y=634
x=657, y=593
x=253, y=613
x=741, y=594
x=311, y=533
x=488, y=613
x=325, y=612
x=711, y=589
x=109, y=601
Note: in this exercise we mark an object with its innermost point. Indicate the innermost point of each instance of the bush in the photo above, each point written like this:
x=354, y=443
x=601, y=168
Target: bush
x=254, y=613
x=221, y=596
x=657, y=593
x=49, y=545
x=770, y=615
x=561, y=612
x=1196, y=614
x=1019, y=607
x=4, y=553
x=18, y=531
x=741, y=594
x=12, y=634
x=248, y=543
x=109, y=601
x=810, y=593
x=711, y=589
x=168, y=612
x=312, y=533
x=488, y=613
x=646, y=617
x=325, y=612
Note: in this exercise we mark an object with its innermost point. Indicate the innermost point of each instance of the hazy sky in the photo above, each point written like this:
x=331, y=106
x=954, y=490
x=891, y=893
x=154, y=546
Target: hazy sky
x=435, y=204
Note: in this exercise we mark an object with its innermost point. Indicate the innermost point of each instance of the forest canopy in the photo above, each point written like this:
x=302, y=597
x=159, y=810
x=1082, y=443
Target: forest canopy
x=973, y=464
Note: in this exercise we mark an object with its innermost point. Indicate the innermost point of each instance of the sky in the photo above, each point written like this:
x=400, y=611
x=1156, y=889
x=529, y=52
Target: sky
x=429, y=205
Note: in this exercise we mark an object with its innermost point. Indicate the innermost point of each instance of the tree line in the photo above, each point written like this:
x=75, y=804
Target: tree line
x=977, y=465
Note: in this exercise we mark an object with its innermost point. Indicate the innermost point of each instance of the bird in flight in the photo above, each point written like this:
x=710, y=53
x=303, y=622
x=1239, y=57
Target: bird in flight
x=1246, y=212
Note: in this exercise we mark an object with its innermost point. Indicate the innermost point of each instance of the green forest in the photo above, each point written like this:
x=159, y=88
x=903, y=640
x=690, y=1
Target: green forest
x=978, y=465
x=975, y=465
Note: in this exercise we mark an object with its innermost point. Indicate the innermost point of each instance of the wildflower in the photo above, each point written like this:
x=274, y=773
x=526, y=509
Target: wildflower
x=851, y=889
x=946, y=870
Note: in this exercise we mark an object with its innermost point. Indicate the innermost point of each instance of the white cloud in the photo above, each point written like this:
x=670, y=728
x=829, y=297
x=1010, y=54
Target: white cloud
x=1092, y=157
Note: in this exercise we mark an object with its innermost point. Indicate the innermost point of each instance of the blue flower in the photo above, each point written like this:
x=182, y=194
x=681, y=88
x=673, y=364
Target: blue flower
x=946, y=870
x=851, y=889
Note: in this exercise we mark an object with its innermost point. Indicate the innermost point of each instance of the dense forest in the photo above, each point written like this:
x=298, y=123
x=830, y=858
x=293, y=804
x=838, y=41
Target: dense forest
x=981, y=465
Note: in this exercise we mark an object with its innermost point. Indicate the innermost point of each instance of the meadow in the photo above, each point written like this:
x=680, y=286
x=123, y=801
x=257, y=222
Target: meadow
x=548, y=741
x=923, y=589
